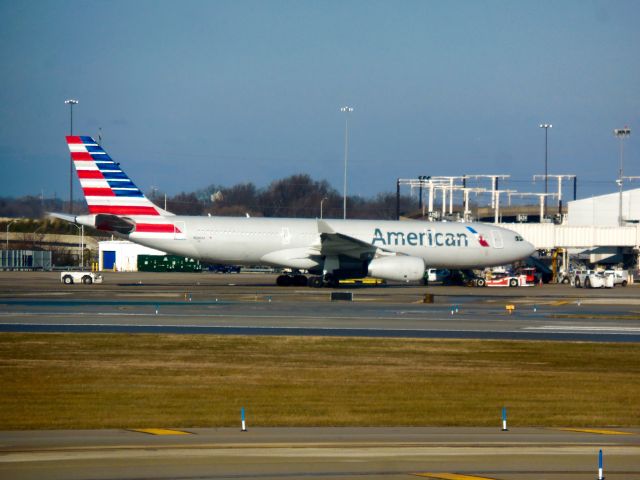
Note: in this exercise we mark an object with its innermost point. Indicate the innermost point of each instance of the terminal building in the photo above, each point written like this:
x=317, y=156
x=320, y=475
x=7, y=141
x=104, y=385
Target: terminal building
x=604, y=210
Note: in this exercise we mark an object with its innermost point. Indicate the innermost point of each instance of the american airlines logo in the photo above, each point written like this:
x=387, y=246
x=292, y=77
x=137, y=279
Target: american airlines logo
x=478, y=237
x=420, y=239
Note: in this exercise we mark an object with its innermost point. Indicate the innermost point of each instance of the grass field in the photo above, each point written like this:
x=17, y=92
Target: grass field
x=103, y=381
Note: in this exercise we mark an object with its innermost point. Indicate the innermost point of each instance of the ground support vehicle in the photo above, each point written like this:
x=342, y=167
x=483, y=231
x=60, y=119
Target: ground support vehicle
x=620, y=277
x=565, y=277
x=503, y=280
x=69, y=278
x=593, y=280
x=362, y=281
x=577, y=277
x=465, y=278
x=532, y=275
x=436, y=275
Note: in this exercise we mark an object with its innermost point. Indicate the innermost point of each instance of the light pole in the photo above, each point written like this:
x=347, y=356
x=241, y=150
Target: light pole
x=8, y=225
x=321, y=202
x=71, y=102
x=621, y=133
x=347, y=110
x=546, y=127
x=81, y=235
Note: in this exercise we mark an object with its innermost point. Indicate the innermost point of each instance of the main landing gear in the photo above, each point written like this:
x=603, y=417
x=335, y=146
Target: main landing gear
x=302, y=281
x=291, y=281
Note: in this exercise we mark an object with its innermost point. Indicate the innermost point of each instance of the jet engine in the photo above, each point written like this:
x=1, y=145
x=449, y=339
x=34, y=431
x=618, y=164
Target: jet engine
x=398, y=267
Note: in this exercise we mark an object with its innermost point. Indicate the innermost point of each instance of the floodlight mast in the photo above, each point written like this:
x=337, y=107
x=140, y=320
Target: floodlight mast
x=8, y=225
x=71, y=102
x=621, y=133
x=346, y=110
x=546, y=127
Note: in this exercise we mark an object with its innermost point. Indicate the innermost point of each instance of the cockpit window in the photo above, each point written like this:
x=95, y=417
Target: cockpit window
x=519, y=238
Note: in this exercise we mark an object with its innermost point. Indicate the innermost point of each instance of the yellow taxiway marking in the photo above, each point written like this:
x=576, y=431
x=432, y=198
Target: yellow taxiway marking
x=596, y=430
x=560, y=302
x=160, y=431
x=451, y=476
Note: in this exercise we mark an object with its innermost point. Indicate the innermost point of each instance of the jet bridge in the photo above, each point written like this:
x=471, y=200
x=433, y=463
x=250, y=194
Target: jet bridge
x=548, y=236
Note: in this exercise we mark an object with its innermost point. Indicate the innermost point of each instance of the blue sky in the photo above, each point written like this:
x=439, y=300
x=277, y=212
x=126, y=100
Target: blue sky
x=192, y=93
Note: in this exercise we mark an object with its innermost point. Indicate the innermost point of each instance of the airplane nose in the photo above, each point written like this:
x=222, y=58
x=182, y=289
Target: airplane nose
x=529, y=248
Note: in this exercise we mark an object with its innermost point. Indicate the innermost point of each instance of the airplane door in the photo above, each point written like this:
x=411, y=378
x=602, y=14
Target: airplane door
x=497, y=239
x=286, y=236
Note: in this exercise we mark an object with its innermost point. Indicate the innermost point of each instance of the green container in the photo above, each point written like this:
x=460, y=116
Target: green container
x=167, y=263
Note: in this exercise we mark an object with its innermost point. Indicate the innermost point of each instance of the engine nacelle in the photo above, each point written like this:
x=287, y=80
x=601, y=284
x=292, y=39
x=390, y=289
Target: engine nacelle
x=401, y=268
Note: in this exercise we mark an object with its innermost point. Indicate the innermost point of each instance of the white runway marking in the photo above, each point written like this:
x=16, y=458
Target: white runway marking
x=579, y=328
x=252, y=327
x=281, y=316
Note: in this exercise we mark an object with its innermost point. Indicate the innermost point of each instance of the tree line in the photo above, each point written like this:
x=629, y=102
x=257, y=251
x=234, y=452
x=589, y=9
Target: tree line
x=296, y=196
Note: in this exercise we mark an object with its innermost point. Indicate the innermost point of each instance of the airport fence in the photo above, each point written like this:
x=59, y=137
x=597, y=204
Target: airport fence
x=25, y=260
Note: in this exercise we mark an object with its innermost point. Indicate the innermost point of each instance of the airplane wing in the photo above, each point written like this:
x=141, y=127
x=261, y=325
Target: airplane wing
x=334, y=243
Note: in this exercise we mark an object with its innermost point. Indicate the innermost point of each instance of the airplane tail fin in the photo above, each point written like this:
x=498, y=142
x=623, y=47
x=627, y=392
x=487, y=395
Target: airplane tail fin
x=107, y=189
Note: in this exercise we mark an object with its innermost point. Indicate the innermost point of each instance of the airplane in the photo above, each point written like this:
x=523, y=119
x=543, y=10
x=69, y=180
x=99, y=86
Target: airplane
x=329, y=250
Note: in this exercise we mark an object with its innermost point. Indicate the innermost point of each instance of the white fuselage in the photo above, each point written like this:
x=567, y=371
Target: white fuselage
x=251, y=241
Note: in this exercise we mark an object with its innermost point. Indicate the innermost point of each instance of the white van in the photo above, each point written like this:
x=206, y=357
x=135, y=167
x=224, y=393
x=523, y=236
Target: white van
x=620, y=277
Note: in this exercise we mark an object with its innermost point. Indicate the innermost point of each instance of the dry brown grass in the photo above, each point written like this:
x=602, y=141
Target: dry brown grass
x=100, y=381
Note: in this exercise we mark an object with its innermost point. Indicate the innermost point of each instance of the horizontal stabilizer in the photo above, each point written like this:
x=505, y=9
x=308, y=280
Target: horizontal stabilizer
x=63, y=216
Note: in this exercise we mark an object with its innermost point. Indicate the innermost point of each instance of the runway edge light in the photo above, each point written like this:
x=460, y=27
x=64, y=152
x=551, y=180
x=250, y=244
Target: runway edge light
x=600, y=473
x=504, y=419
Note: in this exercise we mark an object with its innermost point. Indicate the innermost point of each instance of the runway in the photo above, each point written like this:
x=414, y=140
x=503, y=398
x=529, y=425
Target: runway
x=315, y=453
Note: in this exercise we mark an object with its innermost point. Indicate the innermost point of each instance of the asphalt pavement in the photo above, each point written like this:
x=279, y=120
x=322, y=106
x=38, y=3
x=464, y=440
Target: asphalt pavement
x=320, y=453
x=252, y=305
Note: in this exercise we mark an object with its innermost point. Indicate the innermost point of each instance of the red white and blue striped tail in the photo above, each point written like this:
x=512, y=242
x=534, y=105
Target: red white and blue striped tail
x=106, y=187
x=110, y=192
